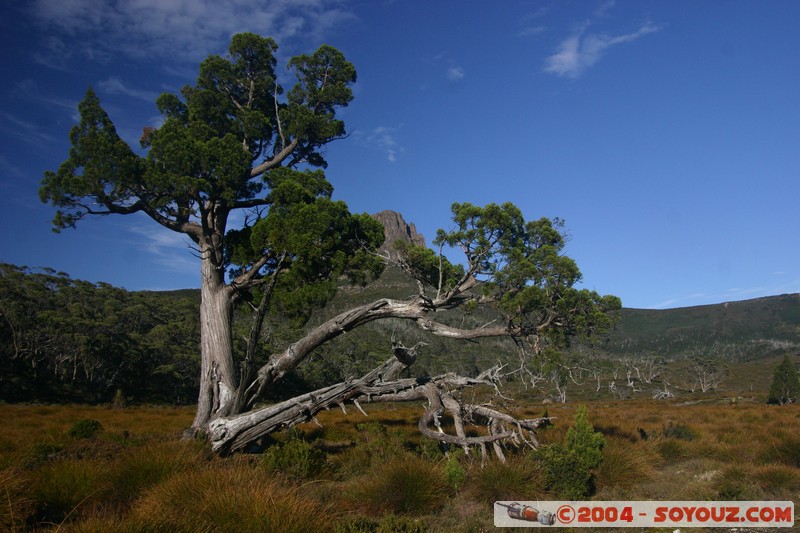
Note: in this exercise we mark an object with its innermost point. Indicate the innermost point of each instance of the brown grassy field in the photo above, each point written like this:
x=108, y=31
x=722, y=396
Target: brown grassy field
x=357, y=474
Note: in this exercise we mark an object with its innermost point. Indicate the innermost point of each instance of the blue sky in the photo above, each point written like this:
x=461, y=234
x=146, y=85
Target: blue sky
x=666, y=134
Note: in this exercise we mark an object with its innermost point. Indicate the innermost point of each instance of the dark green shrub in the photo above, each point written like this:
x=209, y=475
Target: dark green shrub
x=85, y=429
x=42, y=452
x=785, y=386
x=570, y=466
x=295, y=458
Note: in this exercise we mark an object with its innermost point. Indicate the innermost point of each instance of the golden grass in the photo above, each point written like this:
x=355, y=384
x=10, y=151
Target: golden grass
x=137, y=475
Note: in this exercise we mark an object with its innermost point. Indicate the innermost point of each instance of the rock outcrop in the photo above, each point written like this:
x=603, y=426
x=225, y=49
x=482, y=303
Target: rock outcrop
x=395, y=228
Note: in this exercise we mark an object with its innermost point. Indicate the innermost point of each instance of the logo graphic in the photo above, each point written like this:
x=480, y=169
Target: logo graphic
x=529, y=514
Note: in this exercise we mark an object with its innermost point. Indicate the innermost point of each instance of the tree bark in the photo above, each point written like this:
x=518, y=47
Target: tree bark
x=217, y=373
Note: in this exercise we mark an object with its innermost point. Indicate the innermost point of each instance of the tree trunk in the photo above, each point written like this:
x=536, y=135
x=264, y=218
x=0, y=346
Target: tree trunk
x=217, y=374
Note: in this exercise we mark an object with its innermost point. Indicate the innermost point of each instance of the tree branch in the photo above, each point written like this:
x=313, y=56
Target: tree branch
x=276, y=160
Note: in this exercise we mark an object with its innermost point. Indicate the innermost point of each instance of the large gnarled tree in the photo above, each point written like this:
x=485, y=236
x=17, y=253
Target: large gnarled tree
x=236, y=141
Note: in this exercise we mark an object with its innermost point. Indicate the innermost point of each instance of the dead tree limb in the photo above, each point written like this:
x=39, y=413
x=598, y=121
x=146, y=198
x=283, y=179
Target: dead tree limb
x=383, y=384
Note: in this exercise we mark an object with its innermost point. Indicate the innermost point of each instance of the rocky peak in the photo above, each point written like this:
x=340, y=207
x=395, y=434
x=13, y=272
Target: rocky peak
x=396, y=228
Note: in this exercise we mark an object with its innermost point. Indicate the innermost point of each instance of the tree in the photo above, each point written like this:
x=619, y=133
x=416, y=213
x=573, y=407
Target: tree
x=232, y=143
x=785, y=386
x=229, y=144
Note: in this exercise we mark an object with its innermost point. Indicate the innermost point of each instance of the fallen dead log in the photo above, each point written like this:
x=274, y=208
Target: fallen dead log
x=383, y=384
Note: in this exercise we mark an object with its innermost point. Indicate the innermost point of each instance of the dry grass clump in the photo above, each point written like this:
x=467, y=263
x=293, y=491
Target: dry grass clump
x=65, y=489
x=140, y=468
x=519, y=478
x=15, y=505
x=227, y=498
x=776, y=480
x=405, y=484
x=625, y=464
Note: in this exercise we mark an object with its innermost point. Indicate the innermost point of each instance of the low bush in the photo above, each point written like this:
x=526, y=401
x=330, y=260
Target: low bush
x=85, y=429
x=453, y=470
x=296, y=459
x=570, y=466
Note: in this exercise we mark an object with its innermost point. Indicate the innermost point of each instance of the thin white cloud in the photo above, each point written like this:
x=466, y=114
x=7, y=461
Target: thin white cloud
x=114, y=85
x=532, y=31
x=730, y=295
x=172, y=251
x=182, y=30
x=25, y=130
x=455, y=73
x=582, y=50
x=384, y=137
x=604, y=8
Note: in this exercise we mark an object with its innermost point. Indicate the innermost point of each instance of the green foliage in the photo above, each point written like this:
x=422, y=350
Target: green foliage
x=524, y=271
x=203, y=151
x=64, y=339
x=85, y=429
x=428, y=266
x=453, y=470
x=570, y=466
x=294, y=458
x=785, y=386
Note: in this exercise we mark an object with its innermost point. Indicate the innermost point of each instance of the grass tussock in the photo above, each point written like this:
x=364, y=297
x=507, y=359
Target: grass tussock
x=405, y=484
x=625, y=464
x=227, y=499
x=63, y=489
x=520, y=478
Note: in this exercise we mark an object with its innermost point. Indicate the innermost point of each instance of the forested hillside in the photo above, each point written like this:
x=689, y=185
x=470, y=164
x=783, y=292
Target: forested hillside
x=735, y=331
x=69, y=340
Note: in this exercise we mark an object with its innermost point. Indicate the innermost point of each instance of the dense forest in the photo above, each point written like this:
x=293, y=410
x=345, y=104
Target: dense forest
x=69, y=340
